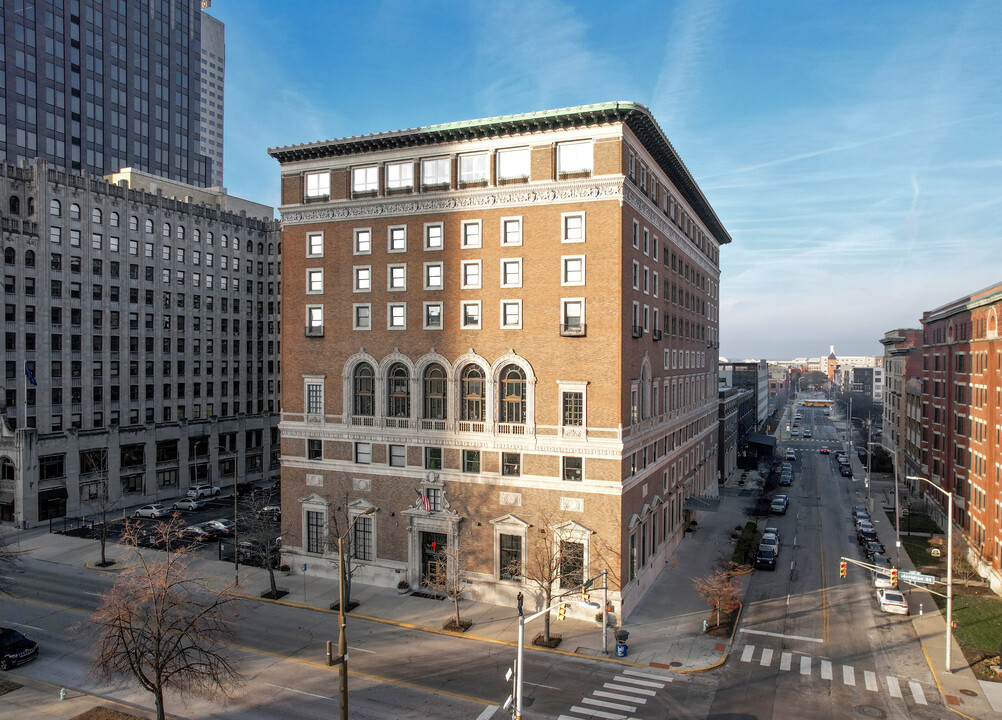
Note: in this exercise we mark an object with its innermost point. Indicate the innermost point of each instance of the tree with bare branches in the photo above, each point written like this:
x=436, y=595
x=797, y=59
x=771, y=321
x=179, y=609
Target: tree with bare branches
x=8, y=561
x=720, y=591
x=259, y=544
x=450, y=583
x=338, y=525
x=160, y=625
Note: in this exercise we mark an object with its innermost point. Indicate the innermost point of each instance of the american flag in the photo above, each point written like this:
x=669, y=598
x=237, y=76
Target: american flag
x=425, y=502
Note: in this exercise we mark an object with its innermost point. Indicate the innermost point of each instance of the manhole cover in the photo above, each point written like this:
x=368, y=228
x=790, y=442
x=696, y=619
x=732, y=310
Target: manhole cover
x=870, y=711
x=968, y=693
x=675, y=663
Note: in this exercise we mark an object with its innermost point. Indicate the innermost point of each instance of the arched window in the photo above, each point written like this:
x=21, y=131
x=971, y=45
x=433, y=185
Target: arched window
x=223, y=241
x=364, y=390
x=15, y=205
x=472, y=394
x=398, y=392
x=95, y=216
x=113, y=219
x=149, y=226
x=434, y=393
x=208, y=238
x=31, y=206
x=512, y=397
x=29, y=258
x=74, y=212
x=271, y=248
x=165, y=231
x=196, y=235
x=645, y=393
x=7, y=469
x=55, y=208
x=9, y=256
x=134, y=223
x=260, y=248
x=180, y=232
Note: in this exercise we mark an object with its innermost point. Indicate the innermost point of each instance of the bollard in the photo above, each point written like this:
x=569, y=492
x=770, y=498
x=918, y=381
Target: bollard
x=705, y=624
x=920, y=609
x=62, y=694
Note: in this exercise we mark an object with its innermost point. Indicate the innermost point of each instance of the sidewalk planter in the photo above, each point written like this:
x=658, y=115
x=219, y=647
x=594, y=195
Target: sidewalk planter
x=403, y=587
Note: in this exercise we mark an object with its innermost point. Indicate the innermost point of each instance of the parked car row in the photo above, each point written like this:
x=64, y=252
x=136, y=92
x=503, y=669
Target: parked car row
x=889, y=599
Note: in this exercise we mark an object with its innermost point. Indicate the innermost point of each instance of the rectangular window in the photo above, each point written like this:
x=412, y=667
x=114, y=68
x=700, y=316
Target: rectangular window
x=511, y=314
x=471, y=314
x=511, y=464
x=433, y=236
x=433, y=458
x=399, y=176
x=573, y=271
x=397, y=239
x=396, y=277
x=435, y=172
x=574, y=157
x=471, y=234
x=398, y=455
x=362, y=317
x=314, y=281
x=314, y=398
x=363, y=453
x=396, y=316
x=314, y=532
x=314, y=449
x=572, y=315
x=510, y=557
x=511, y=231
x=571, y=564
x=573, y=468
x=511, y=273
x=573, y=228
x=364, y=179
x=318, y=184
x=433, y=316
x=433, y=276
x=314, y=245
x=363, y=242
x=363, y=278
x=315, y=316
x=473, y=168
x=471, y=275
x=572, y=409
x=513, y=164
x=471, y=461
x=361, y=546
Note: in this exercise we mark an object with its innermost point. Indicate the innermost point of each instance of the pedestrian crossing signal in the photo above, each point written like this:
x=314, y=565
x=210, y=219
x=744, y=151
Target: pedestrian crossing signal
x=562, y=611
x=842, y=568
x=894, y=576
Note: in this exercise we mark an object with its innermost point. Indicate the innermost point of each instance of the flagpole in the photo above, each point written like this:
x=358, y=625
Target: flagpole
x=25, y=373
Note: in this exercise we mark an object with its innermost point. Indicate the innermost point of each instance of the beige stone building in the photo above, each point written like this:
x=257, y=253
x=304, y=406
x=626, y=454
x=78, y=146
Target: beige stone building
x=500, y=335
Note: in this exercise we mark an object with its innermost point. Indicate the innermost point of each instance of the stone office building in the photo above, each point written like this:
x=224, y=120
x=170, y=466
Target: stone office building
x=499, y=336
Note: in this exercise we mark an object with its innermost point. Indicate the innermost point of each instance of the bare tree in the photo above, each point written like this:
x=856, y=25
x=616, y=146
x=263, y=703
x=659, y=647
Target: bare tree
x=719, y=590
x=259, y=544
x=95, y=463
x=160, y=625
x=963, y=571
x=338, y=525
x=8, y=561
x=450, y=583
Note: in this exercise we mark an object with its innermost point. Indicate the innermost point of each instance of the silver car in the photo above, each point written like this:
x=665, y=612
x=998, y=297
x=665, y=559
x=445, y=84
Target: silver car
x=154, y=510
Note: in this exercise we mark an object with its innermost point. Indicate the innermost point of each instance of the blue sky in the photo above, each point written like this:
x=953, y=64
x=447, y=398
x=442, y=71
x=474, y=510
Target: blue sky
x=852, y=149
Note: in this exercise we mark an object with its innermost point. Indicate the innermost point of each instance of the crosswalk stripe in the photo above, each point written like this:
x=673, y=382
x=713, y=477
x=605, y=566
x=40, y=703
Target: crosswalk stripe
x=649, y=675
x=870, y=678
x=805, y=665
x=746, y=654
x=610, y=705
x=893, y=688
x=784, y=660
x=637, y=681
x=848, y=675
x=917, y=692
x=617, y=696
x=766, y=660
x=826, y=670
x=627, y=688
x=597, y=713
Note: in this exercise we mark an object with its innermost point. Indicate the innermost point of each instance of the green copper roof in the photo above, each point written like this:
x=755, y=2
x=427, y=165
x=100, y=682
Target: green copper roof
x=637, y=117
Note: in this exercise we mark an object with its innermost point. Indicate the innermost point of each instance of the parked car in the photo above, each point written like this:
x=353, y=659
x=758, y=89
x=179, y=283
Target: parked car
x=785, y=480
x=772, y=531
x=882, y=575
x=892, y=601
x=221, y=526
x=872, y=549
x=796, y=432
x=859, y=517
x=269, y=512
x=154, y=510
x=15, y=649
x=867, y=535
x=154, y=535
x=188, y=504
x=766, y=558
x=863, y=522
x=200, y=491
x=857, y=509
x=790, y=455
x=779, y=505
x=770, y=540
x=845, y=470
x=201, y=533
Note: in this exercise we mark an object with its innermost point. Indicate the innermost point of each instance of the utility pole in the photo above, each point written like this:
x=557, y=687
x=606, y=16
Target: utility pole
x=869, y=449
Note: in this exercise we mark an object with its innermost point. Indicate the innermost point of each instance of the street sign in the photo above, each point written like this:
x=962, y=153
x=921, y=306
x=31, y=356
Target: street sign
x=916, y=577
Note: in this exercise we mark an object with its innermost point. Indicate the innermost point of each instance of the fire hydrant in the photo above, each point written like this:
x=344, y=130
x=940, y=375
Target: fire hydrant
x=705, y=625
x=62, y=694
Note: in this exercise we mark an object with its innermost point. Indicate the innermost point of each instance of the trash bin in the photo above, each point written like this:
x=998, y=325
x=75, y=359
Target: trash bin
x=621, y=649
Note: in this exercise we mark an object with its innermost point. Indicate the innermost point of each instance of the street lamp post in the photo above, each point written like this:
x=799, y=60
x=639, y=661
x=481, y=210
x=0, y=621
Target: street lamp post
x=949, y=565
x=236, y=554
x=342, y=638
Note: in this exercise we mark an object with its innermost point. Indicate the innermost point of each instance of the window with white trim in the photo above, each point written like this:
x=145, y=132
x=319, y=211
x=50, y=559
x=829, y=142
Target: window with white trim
x=396, y=239
x=511, y=272
x=398, y=455
x=511, y=231
x=318, y=184
x=314, y=281
x=636, y=275
x=315, y=398
x=647, y=318
x=513, y=163
x=362, y=316
x=572, y=313
x=435, y=172
x=433, y=276
x=510, y=556
x=636, y=235
x=315, y=523
x=314, y=245
x=572, y=270
x=572, y=227
x=433, y=236
x=473, y=168
x=656, y=282
x=574, y=157
x=573, y=468
x=433, y=316
x=471, y=274
x=471, y=234
x=647, y=241
x=363, y=453
x=315, y=316
x=511, y=314
x=647, y=280
x=470, y=314
x=396, y=277
x=363, y=278
x=396, y=316
x=365, y=179
x=363, y=538
x=363, y=241
x=399, y=176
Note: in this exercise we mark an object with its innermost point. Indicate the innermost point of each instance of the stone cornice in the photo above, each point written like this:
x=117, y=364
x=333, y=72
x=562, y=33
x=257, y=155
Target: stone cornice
x=655, y=217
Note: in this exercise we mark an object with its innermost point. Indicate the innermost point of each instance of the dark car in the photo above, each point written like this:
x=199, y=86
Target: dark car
x=766, y=558
x=15, y=649
x=872, y=549
x=270, y=512
x=201, y=533
x=866, y=536
x=846, y=471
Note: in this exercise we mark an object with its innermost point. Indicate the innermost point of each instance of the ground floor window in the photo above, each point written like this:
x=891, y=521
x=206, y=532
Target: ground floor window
x=571, y=564
x=314, y=531
x=362, y=541
x=511, y=557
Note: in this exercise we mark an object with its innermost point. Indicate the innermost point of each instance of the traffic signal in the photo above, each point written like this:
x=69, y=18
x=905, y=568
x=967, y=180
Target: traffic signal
x=842, y=568
x=584, y=594
x=562, y=611
x=894, y=576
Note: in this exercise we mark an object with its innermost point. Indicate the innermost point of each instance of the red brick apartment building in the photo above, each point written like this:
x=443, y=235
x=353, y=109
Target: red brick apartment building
x=500, y=335
x=962, y=407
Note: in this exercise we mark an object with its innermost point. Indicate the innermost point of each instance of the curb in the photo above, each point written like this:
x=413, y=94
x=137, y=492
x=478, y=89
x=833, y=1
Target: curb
x=942, y=694
x=90, y=565
x=727, y=652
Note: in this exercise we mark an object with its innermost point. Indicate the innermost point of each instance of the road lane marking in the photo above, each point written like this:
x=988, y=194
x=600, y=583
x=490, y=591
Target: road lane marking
x=597, y=713
x=805, y=665
x=917, y=692
x=642, y=683
x=784, y=660
x=766, y=660
x=30, y=627
x=893, y=689
x=548, y=687
x=488, y=712
x=610, y=705
x=826, y=670
x=648, y=675
x=781, y=635
x=870, y=679
x=301, y=692
x=100, y=595
x=617, y=696
x=848, y=675
x=352, y=648
x=627, y=688
x=746, y=654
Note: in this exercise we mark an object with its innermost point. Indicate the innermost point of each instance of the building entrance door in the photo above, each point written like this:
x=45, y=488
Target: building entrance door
x=433, y=565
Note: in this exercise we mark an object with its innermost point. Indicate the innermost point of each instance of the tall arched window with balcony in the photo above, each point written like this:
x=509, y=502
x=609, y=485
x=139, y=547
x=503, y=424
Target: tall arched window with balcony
x=398, y=392
x=472, y=394
x=364, y=390
x=512, y=396
x=434, y=393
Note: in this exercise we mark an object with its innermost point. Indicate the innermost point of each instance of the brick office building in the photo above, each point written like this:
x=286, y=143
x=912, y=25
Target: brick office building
x=515, y=317
x=962, y=367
